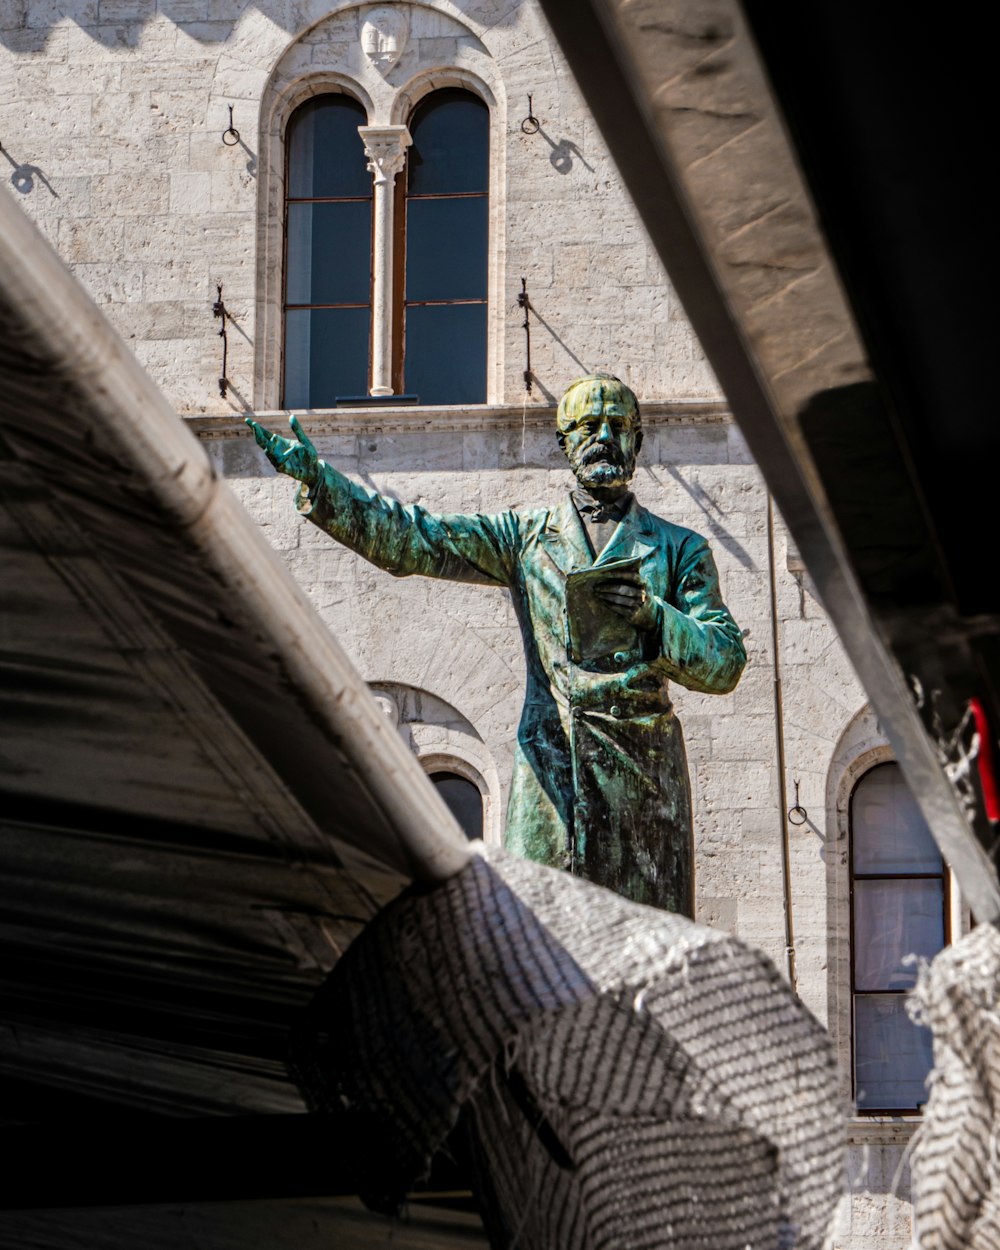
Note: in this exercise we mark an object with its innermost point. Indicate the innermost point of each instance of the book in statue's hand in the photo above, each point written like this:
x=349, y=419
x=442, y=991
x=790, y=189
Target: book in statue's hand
x=596, y=630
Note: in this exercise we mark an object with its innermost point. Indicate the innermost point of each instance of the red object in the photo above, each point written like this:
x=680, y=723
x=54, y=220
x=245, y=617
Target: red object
x=985, y=761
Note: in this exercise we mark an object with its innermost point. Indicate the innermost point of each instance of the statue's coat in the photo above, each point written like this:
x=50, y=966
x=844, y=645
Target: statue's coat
x=600, y=779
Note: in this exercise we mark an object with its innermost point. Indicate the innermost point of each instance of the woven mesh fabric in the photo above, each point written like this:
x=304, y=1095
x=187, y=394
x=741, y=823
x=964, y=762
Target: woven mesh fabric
x=955, y=1167
x=636, y=1080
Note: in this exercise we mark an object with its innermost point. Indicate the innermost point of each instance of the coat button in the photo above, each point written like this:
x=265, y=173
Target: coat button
x=615, y=710
x=621, y=657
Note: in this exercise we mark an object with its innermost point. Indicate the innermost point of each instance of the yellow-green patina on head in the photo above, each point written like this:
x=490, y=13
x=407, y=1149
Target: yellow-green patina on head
x=600, y=430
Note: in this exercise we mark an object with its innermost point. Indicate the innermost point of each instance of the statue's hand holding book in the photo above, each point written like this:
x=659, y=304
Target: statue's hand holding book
x=607, y=607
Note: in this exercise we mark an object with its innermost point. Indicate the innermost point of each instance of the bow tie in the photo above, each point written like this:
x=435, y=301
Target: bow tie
x=598, y=512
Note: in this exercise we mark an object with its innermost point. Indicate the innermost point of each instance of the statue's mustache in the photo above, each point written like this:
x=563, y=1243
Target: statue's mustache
x=601, y=451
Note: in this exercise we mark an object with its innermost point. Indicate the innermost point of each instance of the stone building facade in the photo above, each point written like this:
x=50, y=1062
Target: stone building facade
x=112, y=121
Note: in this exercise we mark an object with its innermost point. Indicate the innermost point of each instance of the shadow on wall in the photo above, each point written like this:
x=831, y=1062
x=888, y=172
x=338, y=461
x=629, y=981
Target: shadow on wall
x=24, y=175
x=536, y=318
x=712, y=512
x=562, y=153
x=28, y=26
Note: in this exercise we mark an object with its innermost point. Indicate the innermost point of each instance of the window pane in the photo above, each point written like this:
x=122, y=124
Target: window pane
x=446, y=249
x=893, y=919
x=325, y=154
x=892, y=1054
x=888, y=832
x=326, y=355
x=329, y=253
x=446, y=353
x=463, y=800
x=451, y=144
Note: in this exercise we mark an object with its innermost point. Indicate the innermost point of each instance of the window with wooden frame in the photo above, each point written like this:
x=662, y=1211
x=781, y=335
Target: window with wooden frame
x=899, y=916
x=442, y=235
x=328, y=254
x=427, y=232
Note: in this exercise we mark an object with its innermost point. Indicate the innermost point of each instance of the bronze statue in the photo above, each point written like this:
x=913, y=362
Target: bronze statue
x=614, y=603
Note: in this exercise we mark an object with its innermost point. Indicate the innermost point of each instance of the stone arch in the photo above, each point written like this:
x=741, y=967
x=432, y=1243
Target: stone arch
x=444, y=740
x=436, y=78
x=315, y=61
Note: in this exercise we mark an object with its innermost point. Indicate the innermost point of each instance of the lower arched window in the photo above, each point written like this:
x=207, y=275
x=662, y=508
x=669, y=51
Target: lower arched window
x=899, y=916
x=463, y=800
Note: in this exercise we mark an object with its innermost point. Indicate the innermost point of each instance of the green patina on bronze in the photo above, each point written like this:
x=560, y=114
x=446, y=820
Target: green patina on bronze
x=614, y=604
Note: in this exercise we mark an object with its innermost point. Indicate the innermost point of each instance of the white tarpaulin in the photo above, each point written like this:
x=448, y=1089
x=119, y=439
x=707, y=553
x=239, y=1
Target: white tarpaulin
x=634, y=1079
x=955, y=1167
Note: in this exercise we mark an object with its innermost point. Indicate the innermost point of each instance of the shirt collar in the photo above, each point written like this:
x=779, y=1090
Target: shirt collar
x=596, y=511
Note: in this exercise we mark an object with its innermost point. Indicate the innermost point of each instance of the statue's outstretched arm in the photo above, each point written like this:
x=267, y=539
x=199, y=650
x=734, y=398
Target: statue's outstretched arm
x=398, y=538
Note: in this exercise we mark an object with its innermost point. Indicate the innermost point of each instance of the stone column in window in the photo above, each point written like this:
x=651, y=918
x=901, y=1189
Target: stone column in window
x=385, y=147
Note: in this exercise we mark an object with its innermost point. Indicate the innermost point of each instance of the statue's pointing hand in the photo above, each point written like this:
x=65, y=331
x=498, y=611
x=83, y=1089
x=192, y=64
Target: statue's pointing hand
x=296, y=458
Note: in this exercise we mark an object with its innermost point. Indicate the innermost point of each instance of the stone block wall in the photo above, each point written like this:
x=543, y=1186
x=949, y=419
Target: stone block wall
x=111, y=121
x=112, y=115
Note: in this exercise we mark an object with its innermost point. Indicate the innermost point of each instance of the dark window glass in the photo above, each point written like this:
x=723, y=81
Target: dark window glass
x=443, y=330
x=898, y=917
x=326, y=157
x=463, y=800
x=446, y=249
x=446, y=352
x=451, y=145
x=328, y=249
x=444, y=222
x=326, y=355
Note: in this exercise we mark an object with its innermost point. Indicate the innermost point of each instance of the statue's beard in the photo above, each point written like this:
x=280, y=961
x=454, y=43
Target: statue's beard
x=600, y=468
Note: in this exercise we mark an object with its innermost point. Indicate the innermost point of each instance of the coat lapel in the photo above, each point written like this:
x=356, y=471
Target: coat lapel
x=563, y=539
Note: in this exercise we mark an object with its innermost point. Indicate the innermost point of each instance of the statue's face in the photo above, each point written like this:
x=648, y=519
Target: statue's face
x=600, y=439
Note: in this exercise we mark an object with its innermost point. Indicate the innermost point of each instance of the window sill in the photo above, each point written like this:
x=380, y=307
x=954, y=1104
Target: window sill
x=882, y=1130
x=458, y=417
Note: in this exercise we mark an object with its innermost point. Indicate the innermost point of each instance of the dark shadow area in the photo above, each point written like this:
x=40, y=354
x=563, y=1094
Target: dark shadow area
x=231, y=321
x=31, y=25
x=161, y=1159
x=24, y=175
x=562, y=153
x=251, y=165
x=899, y=551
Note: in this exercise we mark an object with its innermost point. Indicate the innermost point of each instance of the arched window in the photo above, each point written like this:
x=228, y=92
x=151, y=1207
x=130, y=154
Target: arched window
x=444, y=226
x=463, y=800
x=385, y=290
x=328, y=254
x=899, y=914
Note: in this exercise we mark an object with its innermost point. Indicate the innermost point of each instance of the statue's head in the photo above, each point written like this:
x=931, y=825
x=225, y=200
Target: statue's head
x=599, y=429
